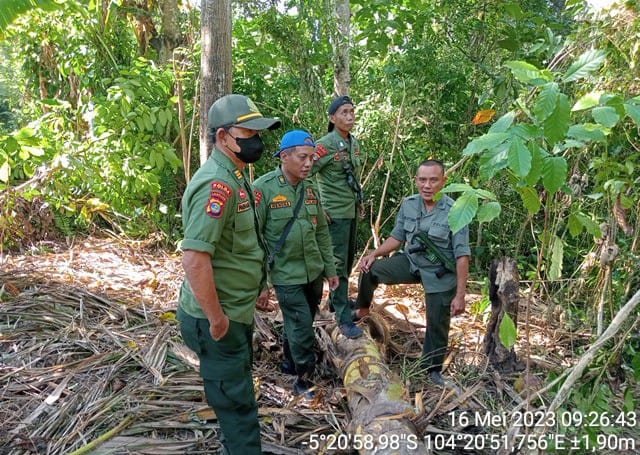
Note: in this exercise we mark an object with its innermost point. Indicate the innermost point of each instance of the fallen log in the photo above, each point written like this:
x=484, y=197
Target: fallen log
x=376, y=397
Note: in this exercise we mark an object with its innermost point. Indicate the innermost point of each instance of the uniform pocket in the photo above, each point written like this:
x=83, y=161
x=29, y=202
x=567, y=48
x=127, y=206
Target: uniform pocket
x=244, y=233
x=409, y=225
x=440, y=236
x=189, y=331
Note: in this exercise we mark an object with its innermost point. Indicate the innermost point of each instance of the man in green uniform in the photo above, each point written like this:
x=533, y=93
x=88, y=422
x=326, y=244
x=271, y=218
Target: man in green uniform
x=337, y=168
x=223, y=262
x=301, y=255
x=441, y=262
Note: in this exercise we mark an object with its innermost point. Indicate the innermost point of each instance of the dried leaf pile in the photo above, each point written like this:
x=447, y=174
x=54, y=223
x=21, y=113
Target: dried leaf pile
x=91, y=360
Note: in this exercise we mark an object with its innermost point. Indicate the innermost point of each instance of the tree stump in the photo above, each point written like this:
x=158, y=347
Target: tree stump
x=504, y=295
x=377, y=400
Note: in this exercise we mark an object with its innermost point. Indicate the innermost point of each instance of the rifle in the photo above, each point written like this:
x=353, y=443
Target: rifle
x=352, y=181
x=433, y=254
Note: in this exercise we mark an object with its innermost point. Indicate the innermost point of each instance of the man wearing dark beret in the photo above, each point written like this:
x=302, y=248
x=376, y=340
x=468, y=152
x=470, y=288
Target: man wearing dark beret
x=337, y=167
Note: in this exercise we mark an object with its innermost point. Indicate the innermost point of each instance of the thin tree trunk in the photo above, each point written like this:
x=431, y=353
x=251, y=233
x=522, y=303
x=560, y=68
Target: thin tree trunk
x=341, y=43
x=216, y=70
x=170, y=36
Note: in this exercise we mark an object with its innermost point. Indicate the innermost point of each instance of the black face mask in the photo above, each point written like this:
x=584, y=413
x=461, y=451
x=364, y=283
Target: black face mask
x=251, y=148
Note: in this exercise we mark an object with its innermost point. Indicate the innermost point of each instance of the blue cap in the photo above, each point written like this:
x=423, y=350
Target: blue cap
x=295, y=138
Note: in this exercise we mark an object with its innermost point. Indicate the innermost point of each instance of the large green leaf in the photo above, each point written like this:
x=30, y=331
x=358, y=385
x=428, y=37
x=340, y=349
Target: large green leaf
x=503, y=123
x=526, y=72
x=530, y=199
x=463, y=211
x=587, y=101
x=586, y=63
x=519, y=157
x=557, y=255
x=606, y=116
x=546, y=101
x=587, y=132
x=508, y=331
x=489, y=211
x=484, y=142
x=554, y=173
x=633, y=111
x=537, y=159
x=591, y=226
x=10, y=10
x=494, y=160
x=557, y=123
x=574, y=224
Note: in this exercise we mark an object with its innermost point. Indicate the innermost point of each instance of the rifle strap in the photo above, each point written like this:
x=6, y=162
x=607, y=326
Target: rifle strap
x=276, y=249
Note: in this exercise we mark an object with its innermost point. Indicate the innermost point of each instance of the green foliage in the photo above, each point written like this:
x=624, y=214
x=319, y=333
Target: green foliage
x=508, y=331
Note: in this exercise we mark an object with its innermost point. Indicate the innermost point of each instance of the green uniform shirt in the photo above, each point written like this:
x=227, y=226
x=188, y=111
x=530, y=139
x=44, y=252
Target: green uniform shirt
x=307, y=251
x=413, y=218
x=218, y=217
x=338, y=198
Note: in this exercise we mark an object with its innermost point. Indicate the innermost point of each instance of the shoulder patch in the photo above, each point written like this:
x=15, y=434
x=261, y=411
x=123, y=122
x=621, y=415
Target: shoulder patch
x=215, y=207
x=321, y=151
x=281, y=180
x=221, y=188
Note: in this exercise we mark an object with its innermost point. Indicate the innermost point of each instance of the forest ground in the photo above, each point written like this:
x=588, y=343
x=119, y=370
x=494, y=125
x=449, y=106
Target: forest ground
x=89, y=345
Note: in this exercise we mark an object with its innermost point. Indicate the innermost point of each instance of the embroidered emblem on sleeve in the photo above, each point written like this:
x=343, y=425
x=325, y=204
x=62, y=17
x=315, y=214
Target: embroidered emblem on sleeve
x=220, y=192
x=336, y=157
x=242, y=194
x=321, y=151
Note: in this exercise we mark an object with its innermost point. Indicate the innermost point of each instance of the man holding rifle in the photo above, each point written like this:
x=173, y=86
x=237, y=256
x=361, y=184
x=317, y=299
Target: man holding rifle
x=434, y=256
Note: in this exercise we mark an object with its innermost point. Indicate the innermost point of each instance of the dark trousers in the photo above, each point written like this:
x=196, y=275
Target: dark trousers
x=396, y=270
x=299, y=305
x=343, y=239
x=225, y=367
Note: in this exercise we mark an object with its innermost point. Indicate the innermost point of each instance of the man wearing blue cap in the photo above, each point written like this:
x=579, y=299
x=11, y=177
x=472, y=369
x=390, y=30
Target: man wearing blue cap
x=337, y=167
x=223, y=260
x=300, y=251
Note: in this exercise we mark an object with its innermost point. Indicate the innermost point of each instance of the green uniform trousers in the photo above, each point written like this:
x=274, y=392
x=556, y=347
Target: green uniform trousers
x=225, y=367
x=397, y=270
x=343, y=238
x=299, y=304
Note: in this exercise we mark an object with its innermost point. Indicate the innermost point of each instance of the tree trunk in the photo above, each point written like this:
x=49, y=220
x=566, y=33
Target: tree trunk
x=170, y=36
x=341, y=43
x=376, y=398
x=215, y=70
x=504, y=295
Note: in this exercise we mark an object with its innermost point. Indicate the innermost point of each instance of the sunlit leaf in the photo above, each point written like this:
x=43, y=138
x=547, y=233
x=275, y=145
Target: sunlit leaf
x=557, y=256
x=508, y=331
x=585, y=64
x=587, y=101
x=463, y=211
x=587, y=132
x=483, y=116
x=5, y=171
x=525, y=72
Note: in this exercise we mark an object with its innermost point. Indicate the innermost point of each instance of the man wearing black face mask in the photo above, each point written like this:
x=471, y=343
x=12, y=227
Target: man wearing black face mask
x=223, y=261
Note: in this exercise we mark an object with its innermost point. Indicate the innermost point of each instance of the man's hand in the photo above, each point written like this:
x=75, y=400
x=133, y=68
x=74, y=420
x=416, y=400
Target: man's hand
x=219, y=328
x=334, y=282
x=457, y=305
x=263, y=303
x=366, y=262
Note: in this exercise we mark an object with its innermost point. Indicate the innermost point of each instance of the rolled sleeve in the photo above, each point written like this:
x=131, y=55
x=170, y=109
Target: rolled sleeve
x=460, y=243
